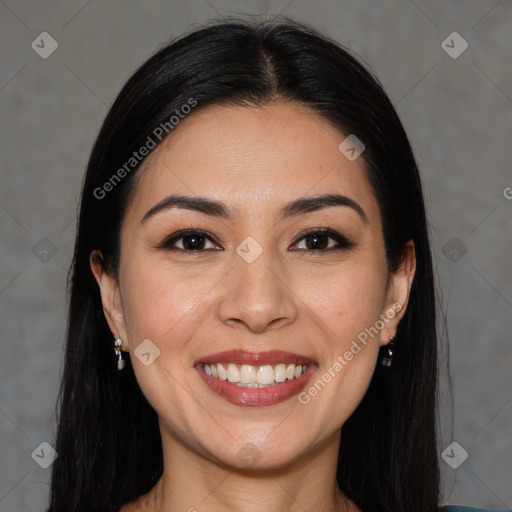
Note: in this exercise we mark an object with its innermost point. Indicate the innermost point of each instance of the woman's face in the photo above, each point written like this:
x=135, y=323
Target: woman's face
x=253, y=292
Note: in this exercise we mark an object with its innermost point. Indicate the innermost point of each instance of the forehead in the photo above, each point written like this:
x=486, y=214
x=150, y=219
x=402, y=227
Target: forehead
x=253, y=158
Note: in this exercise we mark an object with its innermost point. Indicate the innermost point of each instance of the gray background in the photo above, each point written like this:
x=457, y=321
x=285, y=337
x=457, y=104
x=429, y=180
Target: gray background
x=457, y=112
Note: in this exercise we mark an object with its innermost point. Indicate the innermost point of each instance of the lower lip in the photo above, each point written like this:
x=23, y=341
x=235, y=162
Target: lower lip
x=256, y=397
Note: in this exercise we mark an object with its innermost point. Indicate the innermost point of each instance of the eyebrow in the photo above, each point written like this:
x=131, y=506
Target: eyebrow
x=221, y=210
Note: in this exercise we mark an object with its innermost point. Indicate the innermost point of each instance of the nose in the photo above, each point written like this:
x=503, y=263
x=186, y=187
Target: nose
x=257, y=296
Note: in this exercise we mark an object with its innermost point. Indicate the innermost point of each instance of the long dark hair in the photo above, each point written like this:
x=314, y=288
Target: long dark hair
x=108, y=440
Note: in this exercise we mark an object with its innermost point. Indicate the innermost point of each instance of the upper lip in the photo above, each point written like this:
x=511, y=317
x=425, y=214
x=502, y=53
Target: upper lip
x=255, y=358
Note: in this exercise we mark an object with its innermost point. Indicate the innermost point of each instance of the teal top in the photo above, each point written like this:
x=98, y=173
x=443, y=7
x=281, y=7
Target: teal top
x=465, y=508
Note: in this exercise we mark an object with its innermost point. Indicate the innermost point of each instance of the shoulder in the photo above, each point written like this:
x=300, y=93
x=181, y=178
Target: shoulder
x=465, y=508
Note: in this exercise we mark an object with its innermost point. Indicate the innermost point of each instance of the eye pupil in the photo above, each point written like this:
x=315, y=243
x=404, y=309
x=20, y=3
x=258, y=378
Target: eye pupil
x=314, y=239
x=193, y=242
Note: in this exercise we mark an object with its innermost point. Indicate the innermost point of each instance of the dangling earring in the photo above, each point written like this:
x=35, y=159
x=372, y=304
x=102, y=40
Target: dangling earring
x=388, y=360
x=117, y=349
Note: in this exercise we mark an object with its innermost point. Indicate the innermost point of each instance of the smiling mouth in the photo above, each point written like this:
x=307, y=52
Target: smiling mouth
x=250, y=376
x=255, y=379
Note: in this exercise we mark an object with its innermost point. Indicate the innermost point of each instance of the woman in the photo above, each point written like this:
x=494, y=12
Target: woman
x=252, y=317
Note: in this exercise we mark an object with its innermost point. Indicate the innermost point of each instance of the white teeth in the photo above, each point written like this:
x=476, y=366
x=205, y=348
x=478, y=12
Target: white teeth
x=222, y=372
x=280, y=373
x=233, y=373
x=250, y=376
x=265, y=374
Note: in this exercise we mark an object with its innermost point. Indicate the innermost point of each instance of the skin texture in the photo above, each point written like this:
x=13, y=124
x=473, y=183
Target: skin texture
x=192, y=304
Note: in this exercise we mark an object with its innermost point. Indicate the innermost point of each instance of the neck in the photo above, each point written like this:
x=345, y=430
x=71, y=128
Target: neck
x=191, y=482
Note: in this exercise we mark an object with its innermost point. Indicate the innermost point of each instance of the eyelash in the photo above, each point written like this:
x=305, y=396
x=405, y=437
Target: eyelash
x=343, y=243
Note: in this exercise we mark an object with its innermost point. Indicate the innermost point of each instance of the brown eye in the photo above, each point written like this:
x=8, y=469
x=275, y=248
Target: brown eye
x=189, y=241
x=318, y=240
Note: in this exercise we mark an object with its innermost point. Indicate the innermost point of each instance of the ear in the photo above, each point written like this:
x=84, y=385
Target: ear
x=110, y=298
x=398, y=291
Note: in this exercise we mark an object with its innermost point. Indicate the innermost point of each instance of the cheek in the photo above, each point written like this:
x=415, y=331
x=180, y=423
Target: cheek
x=163, y=307
x=159, y=303
x=347, y=305
x=346, y=301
